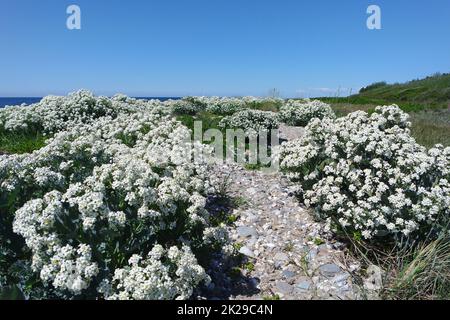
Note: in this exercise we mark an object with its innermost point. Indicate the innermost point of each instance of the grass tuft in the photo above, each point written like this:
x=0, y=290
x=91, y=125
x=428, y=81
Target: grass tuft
x=426, y=275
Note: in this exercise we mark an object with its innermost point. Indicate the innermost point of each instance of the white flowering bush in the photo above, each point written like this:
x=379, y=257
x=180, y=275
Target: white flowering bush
x=225, y=106
x=251, y=121
x=368, y=175
x=301, y=112
x=186, y=106
x=115, y=208
x=222, y=106
x=162, y=274
x=54, y=113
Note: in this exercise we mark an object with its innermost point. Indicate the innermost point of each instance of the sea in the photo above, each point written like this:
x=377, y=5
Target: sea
x=30, y=100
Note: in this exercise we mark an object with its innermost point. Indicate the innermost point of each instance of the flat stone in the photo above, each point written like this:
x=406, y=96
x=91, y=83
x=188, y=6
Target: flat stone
x=284, y=287
x=374, y=280
x=246, y=232
x=329, y=270
x=311, y=255
x=341, y=278
x=288, y=274
x=247, y=252
x=304, y=285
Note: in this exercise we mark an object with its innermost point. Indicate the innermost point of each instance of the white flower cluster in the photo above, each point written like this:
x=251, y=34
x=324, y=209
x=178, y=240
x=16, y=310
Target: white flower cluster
x=368, y=175
x=162, y=274
x=53, y=113
x=301, y=112
x=225, y=106
x=123, y=187
x=254, y=100
x=218, y=105
x=251, y=121
x=186, y=106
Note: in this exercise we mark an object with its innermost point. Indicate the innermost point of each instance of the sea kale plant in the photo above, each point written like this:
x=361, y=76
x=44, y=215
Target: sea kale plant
x=225, y=106
x=221, y=106
x=368, y=176
x=301, y=112
x=251, y=121
x=113, y=208
x=55, y=113
x=186, y=106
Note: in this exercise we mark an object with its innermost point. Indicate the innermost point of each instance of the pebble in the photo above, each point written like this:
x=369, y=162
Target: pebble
x=288, y=274
x=246, y=232
x=247, y=252
x=284, y=287
x=304, y=285
x=329, y=270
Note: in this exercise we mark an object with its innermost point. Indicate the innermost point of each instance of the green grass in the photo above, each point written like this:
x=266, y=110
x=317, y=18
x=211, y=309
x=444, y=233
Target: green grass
x=209, y=120
x=431, y=92
x=19, y=143
x=423, y=94
x=424, y=274
x=266, y=106
x=270, y=298
x=426, y=100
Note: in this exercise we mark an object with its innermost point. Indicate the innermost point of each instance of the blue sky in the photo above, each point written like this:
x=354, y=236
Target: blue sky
x=218, y=47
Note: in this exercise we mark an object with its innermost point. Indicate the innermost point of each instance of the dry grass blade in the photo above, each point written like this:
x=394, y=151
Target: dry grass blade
x=427, y=275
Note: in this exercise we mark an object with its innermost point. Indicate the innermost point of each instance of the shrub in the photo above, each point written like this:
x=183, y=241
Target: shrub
x=185, y=107
x=226, y=106
x=300, y=113
x=264, y=104
x=368, y=175
x=112, y=209
x=53, y=114
x=251, y=121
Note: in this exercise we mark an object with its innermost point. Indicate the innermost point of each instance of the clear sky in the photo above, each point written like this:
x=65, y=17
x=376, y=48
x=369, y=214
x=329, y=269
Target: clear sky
x=218, y=47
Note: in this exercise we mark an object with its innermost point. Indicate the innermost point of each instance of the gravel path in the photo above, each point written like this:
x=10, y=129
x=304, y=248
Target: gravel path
x=288, y=252
x=288, y=255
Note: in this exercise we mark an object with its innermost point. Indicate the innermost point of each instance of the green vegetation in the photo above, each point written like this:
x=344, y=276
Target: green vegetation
x=223, y=218
x=273, y=106
x=249, y=266
x=432, y=127
x=425, y=273
x=430, y=93
x=373, y=86
x=240, y=202
x=208, y=120
x=418, y=272
x=318, y=241
x=426, y=100
x=288, y=247
x=211, y=121
x=270, y=298
x=19, y=143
